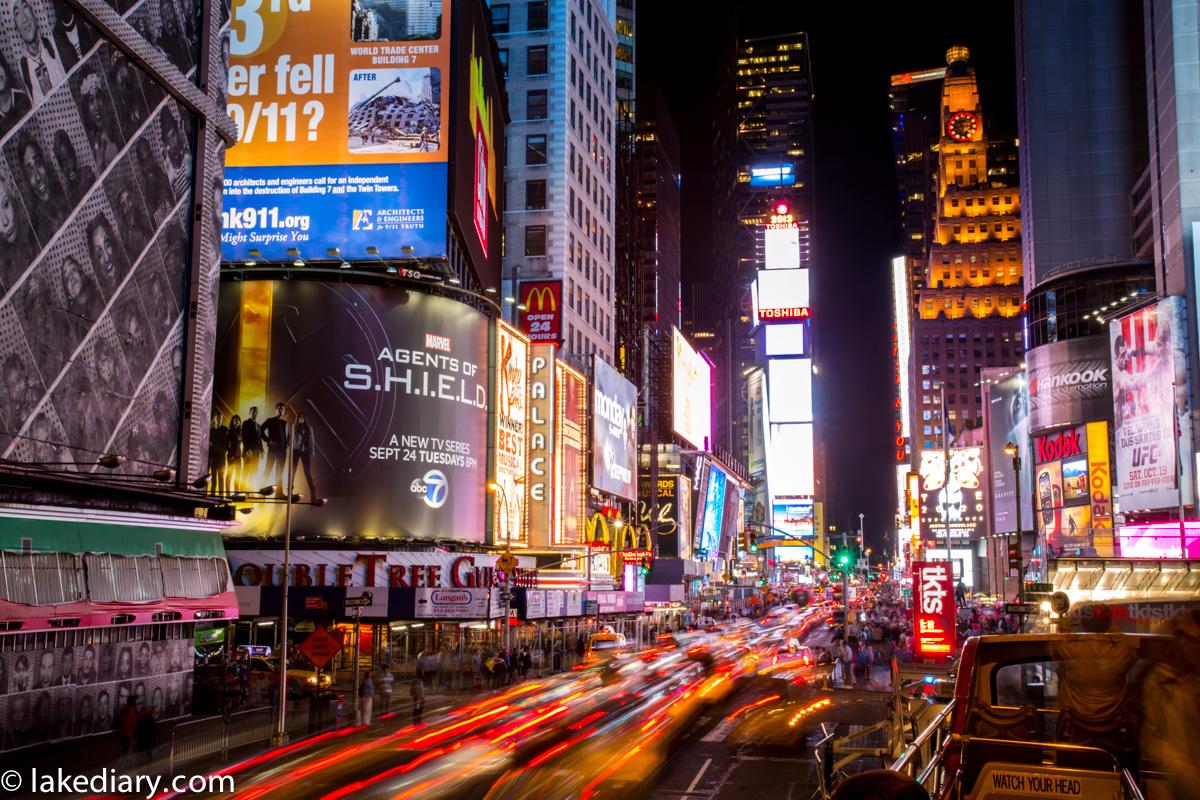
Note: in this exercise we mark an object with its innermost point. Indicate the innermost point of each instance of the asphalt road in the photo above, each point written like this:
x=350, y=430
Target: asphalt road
x=716, y=759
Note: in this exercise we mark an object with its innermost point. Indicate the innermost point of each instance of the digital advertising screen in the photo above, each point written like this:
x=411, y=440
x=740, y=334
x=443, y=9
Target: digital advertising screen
x=1006, y=419
x=952, y=498
x=342, y=112
x=1073, y=491
x=781, y=296
x=791, y=460
x=790, y=387
x=712, y=512
x=793, y=517
x=511, y=405
x=614, y=431
x=385, y=393
x=692, y=392
x=781, y=247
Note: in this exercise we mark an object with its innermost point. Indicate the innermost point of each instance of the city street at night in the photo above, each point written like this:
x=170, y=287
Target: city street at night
x=584, y=399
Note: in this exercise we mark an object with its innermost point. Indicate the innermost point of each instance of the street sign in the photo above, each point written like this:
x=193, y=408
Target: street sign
x=361, y=601
x=305, y=626
x=320, y=647
x=591, y=608
x=507, y=562
x=1020, y=608
x=315, y=604
x=1041, y=588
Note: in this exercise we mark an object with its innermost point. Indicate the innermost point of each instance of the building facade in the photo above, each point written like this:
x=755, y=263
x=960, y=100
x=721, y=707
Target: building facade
x=560, y=62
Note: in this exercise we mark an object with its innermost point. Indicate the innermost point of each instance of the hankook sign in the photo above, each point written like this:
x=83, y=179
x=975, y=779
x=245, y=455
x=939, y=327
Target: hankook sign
x=1069, y=382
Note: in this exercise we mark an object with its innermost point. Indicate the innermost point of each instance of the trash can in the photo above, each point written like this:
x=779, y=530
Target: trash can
x=324, y=710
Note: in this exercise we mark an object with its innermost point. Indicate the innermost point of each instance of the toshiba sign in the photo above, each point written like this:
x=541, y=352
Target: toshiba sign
x=791, y=314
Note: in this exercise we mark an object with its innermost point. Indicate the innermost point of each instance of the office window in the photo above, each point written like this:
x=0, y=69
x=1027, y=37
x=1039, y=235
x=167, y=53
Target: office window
x=537, y=60
x=539, y=15
x=535, y=240
x=535, y=195
x=535, y=104
x=500, y=18
x=504, y=63
x=535, y=149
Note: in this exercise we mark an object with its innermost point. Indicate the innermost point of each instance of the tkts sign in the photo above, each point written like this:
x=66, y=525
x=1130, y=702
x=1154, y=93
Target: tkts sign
x=933, y=610
x=540, y=312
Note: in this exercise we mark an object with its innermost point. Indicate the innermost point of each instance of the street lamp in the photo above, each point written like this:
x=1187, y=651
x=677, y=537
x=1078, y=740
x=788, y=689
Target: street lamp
x=1014, y=452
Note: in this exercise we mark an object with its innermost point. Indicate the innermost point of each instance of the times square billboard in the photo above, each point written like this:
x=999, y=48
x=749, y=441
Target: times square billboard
x=343, y=113
x=385, y=393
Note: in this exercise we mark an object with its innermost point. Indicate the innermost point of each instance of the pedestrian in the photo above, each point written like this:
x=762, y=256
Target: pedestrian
x=416, y=690
x=366, y=700
x=145, y=734
x=127, y=722
x=421, y=665
x=526, y=663
x=386, y=680
x=476, y=670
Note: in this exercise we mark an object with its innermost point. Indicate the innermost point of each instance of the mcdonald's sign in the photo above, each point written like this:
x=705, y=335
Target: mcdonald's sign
x=540, y=315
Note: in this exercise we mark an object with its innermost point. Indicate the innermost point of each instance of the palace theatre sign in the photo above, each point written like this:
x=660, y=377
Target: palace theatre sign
x=393, y=570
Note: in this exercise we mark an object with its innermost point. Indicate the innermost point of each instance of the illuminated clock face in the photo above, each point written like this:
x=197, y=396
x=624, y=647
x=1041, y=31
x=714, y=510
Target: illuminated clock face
x=961, y=126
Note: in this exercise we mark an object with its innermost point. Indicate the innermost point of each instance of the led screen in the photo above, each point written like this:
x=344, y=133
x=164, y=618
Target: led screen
x=781, y=247
x=786, y=339
x=692, y=390
x=789, y=381
x=713, y=512
x=781, y=294
x=790, y=459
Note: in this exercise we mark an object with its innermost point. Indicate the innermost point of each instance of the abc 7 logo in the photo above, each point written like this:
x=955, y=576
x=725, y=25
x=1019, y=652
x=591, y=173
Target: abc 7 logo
x=433, y=487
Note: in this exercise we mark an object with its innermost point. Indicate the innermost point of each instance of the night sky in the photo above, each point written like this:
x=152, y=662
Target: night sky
x=855, y=49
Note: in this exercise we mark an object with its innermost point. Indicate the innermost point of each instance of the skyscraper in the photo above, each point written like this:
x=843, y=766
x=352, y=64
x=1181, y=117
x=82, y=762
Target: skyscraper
x=560, y=180
x=969, y=309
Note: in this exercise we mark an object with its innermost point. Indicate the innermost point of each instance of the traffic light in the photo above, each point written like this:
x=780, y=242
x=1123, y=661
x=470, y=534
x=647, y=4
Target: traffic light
x=753, y=539
x=762, y=582
x=1014, y=557
x=843, y=557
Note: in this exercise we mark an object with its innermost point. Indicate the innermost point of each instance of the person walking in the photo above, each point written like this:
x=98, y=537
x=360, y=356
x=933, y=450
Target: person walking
x=127, y=722
x=366, y=700
x=386, y=682
x=416, y=690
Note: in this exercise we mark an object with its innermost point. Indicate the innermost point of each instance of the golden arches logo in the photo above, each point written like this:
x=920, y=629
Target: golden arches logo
x=596, y=523
x=544, y=295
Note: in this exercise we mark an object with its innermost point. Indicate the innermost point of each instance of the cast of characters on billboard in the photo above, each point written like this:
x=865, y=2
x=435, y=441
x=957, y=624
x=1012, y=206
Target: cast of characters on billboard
x=96, y=188
x=540, y=310
x=512, y=365
x=1151, y=410
x=614, y=432
x=691, y=392
x=341, y=109
x=382, y=394
x=934, y=631
x=953, y=496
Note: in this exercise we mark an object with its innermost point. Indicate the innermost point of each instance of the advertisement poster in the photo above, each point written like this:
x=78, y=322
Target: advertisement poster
x=542, y=440
x=614, y=432
x=511, y=400
x=793, y=517
x=756, y=422
x=97, y=185
x=934, y=633
x=1006, y=419
x=453, y=603
x=1150, y=402
x=541, y=315
x=342, y=112
x=664, y=528
x=476, y=135
x=952, y=498
x=55, y=693
x=684, y=502
x=1073, y=491
x=570, y=448
x=712, y=512
x=691, y=392
x=1069, y=382
x=384, y=393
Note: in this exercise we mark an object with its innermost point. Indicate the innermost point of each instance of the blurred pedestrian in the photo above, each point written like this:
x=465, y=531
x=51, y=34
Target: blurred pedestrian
x=386, y=681
x=879, y=784
x=366, y=699
x=416, y=690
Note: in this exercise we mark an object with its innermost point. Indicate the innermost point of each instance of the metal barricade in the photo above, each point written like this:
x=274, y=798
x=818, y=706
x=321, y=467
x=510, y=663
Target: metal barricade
x=219, y=734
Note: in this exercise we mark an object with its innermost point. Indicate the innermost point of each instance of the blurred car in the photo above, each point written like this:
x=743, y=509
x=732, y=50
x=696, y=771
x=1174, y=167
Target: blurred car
x=299, y=679
x=606, y=644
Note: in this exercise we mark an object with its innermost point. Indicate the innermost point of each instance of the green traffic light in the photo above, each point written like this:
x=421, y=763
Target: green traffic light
x=753, y=547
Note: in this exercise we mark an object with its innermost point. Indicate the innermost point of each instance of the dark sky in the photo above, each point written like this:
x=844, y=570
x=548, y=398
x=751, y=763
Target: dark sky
x=855, y=48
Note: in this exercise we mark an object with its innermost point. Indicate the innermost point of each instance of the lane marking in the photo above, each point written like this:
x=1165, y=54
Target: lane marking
x=720, y=732
x=696, y=780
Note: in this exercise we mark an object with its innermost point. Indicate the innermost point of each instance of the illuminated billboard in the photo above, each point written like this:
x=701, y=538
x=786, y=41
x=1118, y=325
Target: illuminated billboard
x=691, y=394
x=342, y=114
x=540, y=433
x=952, y=499
x=781, y=247
x=540, y=312
x=1151, y=409
x=1006, y=419
x=614, y=431
x=711, y=511
x=783, y=174
x=476, y=133
x=756, y=434
x=570, y=437
x=1073, y=491
x=790, y=460
x=511, y=405
x=781, y=296
x=934, y=629
x=388, y=401
x=793, y=517
x=789, y=386
x=786, y=339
